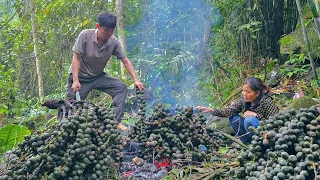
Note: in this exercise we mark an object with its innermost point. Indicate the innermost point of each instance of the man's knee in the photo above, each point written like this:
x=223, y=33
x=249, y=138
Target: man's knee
x=122, y=87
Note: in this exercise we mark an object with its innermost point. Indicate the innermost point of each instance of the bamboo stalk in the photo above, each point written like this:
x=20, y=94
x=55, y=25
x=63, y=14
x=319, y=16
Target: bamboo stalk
x=315, y=14
x=317, y=5
x=305, y=35
x=313, y=9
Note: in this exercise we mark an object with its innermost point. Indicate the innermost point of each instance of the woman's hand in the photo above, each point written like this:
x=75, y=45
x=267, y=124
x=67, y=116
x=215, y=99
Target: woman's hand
x=205, y=109
x=249, y=113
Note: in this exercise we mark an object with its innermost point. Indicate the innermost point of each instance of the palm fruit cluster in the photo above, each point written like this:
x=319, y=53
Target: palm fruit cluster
x=286, y=146
x=86, y=146
x=179, y=136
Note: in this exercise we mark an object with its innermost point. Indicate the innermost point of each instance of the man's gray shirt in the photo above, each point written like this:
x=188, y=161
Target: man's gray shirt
x=94, y=58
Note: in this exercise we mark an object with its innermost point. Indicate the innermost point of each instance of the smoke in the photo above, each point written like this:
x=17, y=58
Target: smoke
x=168, y=45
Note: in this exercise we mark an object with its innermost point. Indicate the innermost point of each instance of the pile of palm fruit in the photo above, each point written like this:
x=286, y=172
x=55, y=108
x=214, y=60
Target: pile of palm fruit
x=88, y=144
x=182, y=136
x=286, y=146
x=85, y=146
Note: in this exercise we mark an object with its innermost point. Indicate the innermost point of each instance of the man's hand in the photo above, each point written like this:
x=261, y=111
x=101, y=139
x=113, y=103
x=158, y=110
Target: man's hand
x=249, y=113
x=205, y=109
x=76, y=86
x=138, y=85
x=127, y=63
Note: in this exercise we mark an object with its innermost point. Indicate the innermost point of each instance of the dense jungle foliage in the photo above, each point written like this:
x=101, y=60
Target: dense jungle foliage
x=189, y=52
x=236, y=39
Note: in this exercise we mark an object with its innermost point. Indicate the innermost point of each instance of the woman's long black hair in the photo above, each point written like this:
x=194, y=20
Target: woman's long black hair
x=258, y=86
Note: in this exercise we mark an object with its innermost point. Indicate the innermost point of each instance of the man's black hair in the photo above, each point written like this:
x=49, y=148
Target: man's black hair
x=107, y=20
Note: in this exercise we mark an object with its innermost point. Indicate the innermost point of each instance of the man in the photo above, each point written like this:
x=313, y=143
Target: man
x=92, y=50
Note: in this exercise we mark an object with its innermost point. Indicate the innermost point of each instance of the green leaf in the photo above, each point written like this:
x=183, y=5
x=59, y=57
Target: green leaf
x=3, y=109
x=84, y=24
x=244, y=26
x=223, y=150
x=296, y=70
x=187, y=170
x=175, y=172
x=305, y=66
x=11, y=135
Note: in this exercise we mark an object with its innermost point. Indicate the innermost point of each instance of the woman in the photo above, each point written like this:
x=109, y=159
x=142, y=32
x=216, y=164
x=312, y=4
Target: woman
x=255, y=105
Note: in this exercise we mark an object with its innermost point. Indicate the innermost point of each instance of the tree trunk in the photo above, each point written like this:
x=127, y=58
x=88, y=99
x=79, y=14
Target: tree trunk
x=36, y=51
x=278, y=19
x=121, y=31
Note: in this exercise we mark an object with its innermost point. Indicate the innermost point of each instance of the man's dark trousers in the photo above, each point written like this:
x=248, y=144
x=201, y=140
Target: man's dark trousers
x=108, y=84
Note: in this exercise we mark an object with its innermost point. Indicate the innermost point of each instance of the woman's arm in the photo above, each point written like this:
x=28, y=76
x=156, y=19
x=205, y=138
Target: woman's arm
x=234, y=108
x=270, y=109
x=205, y=109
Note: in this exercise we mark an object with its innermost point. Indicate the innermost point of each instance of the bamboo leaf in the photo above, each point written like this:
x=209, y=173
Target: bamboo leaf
x=202, y=170
x=85, y=22
x=305, y=66
x=11, y=135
